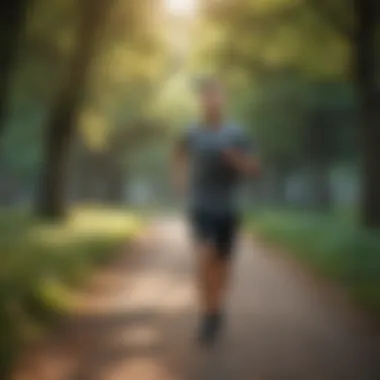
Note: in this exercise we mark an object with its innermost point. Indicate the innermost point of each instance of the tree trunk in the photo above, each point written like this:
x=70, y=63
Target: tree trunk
x=51, y=199
x=12, y=22
x=365, y=73
x=52, y=190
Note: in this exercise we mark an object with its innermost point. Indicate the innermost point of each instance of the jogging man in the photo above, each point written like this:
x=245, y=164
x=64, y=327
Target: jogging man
x=219, y=156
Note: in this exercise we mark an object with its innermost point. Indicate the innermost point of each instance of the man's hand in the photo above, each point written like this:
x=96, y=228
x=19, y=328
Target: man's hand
x=240, y=161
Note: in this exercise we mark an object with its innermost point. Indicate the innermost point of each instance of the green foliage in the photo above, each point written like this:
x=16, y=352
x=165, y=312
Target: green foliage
x=295, y=122
x=40, y=263
x=120, y=91
x=124, y=81
x=335, y=247
x=280, y=133
x=288, y=65
x=262, y=36
x=175, y=102
x=45, y=47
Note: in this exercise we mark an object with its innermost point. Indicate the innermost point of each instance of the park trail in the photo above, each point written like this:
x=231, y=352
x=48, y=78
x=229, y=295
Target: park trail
x=137, y=321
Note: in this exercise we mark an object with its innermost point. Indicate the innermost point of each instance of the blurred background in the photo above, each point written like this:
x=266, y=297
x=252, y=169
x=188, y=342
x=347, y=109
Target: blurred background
x=94, y=93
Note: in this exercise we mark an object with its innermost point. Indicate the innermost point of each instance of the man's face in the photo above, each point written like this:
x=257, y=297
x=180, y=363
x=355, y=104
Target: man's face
x=212, y=101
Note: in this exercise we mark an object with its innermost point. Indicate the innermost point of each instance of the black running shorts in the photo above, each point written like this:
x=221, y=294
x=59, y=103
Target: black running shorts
x=216, y=228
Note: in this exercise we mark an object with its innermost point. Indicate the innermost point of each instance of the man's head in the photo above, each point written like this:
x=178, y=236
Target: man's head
x=212, y=99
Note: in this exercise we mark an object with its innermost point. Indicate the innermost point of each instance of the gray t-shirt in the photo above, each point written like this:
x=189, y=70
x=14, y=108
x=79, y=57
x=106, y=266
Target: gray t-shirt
x=214, y=184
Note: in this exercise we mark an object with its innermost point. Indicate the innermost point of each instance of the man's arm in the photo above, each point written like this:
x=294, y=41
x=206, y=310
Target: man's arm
x=242, y=157
x=243, y=162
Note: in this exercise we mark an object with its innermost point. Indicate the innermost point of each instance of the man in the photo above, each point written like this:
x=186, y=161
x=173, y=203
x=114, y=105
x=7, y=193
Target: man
x=219, y=156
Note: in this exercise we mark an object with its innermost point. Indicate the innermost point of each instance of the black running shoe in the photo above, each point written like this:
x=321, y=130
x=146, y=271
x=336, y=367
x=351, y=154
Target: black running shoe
x=210, y=328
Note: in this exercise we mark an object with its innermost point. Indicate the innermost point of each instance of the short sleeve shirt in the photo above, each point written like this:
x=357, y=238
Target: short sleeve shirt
x=214, y=184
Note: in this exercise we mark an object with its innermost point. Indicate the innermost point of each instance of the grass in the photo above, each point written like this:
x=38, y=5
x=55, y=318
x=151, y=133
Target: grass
x=335, y=247
x=42, y=262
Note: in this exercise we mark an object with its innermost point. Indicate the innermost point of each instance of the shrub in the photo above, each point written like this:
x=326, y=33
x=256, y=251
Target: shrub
x=41, y=262
x=334, y=247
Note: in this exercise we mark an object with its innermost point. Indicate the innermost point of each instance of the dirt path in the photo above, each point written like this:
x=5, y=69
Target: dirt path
x=137, y=321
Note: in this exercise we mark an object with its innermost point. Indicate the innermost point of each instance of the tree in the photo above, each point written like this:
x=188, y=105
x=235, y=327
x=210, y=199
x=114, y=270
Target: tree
x=358, y=21
x=366, y=76
x=42, y=52
x=12, y=21
x=61, y=125
x=116, y=116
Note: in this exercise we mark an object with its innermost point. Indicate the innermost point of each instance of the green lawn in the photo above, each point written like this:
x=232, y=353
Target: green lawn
x=42, y=262
x=334, y=246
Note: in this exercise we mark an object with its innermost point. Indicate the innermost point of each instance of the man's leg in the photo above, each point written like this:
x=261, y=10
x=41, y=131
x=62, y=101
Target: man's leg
x=219, y=278
x=207, y=252
x=224, y=242
x=213, y=277
x=214, y=272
